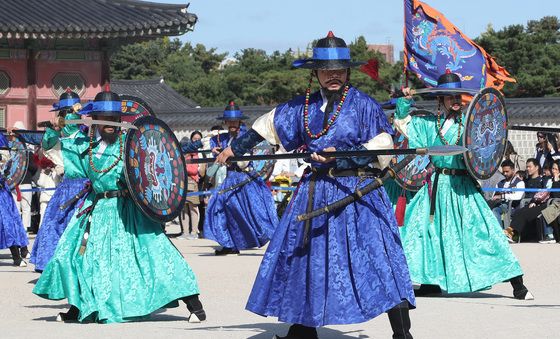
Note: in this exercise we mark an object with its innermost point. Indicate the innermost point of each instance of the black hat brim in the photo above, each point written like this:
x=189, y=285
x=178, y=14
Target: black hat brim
x=111, y=113
x=330, y=64
x=231, y=119
x=442, y=92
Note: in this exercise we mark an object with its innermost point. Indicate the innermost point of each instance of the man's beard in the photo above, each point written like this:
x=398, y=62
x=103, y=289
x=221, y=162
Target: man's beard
x=109, y=138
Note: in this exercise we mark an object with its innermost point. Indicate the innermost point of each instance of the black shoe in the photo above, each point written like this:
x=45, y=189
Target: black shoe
x=523, y=295
x=427, y=290
x=70, y=316
x=226, y=251
x=197, y=316
x=20, y=262
x=16, y=256
x=24, y=252
x=297, y=331
x=195, y=308
x=520, y=291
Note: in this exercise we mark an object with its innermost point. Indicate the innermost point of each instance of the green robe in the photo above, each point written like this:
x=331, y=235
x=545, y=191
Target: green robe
x=464, y=249
x=130, y=268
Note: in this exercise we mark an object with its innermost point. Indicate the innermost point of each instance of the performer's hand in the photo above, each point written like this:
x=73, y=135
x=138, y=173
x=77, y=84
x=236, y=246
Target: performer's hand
x=55, y=124
x=216, y=150
x=224, y=156
x=319, y=158
x=408, y=92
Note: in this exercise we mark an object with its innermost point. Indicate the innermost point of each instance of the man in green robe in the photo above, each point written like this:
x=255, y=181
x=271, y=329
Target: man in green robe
x=452, y=242
x=112, y=263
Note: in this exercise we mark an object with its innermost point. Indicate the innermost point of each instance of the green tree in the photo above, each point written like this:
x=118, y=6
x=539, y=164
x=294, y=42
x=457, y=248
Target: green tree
x=530, y=53
x=142, y=60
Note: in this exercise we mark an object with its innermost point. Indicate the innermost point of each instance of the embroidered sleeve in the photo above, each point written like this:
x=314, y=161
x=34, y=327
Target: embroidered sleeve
x=246, y=142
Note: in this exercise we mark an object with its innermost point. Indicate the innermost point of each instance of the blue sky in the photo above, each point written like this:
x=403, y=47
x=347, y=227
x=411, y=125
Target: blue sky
x=278, y=25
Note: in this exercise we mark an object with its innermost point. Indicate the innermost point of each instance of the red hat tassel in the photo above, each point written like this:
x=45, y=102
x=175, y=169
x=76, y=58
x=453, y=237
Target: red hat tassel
x=18, y=193
x=400, y=209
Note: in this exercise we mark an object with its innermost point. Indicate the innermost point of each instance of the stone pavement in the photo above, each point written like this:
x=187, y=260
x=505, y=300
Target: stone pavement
x=225, y=284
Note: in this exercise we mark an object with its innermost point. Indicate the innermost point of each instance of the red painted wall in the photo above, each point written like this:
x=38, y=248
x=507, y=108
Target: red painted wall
x=17, y=71
x=15, y=99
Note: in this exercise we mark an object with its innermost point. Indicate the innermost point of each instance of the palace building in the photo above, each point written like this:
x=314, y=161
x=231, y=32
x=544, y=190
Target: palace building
x=47, y=46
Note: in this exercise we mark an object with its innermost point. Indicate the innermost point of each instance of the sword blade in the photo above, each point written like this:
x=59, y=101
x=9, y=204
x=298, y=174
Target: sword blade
x=435, y=150
x=89, y=122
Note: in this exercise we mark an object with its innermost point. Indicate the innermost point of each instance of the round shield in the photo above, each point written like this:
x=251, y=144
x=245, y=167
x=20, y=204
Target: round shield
x=414, y=175
x=132, y=104
x=15, y=167
x=155, y=169
x=263, y=168
x=486, y=133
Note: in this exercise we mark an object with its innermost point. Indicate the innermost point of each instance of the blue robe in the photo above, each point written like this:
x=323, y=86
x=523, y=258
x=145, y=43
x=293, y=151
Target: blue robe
x=244, y=217
x=353, y=267
x=56, y=219
x=12, y=232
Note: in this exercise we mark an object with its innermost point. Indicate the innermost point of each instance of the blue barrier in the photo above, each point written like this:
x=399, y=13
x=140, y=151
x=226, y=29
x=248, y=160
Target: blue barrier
x=38, y=189
x=495, y=189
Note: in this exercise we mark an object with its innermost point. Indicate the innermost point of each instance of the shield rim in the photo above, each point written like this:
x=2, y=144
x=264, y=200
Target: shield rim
x=13, y=184
x=148, y=212
x=403, y=185
x=126, y=97
x=470, y=109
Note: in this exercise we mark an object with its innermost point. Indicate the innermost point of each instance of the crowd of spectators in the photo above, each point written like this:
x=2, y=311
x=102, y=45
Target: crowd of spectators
x=530, y=211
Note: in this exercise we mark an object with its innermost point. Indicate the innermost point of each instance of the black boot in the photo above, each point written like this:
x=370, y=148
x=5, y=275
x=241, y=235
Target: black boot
x=16, y=256
x=400, y=321
x=70, y=316
x=519, y=290
x=195, y=307
x=427, y=290
x=298, y=331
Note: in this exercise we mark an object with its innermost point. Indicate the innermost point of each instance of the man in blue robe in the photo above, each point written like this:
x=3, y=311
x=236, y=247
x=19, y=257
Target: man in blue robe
x=346, y=266
x=241, y=214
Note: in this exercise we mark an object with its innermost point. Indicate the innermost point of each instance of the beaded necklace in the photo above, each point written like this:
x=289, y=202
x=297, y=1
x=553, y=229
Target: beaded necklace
x=92, y=165
x=439, y=127
x=331, y=120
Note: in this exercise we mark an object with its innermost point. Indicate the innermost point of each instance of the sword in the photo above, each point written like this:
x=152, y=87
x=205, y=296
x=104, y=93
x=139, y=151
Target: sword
x=434, y=151
x=89, y=122
x=358, y=193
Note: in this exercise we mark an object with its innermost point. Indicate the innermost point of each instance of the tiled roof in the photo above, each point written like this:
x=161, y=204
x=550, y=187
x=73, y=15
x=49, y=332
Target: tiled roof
x=75, y=19
x=204, y=118
x=158, y=95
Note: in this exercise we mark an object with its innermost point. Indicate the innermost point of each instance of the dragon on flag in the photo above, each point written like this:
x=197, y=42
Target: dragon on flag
x=433, y=45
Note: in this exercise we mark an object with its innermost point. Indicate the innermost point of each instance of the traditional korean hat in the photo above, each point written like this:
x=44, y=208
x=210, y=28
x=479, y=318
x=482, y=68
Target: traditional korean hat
x=328, y=54
x=67, y=100
x=105, y=103
x=451, y=81
x=232, y=112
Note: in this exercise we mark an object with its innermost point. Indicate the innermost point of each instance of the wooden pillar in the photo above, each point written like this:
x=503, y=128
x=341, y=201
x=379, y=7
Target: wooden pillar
x=31, y=90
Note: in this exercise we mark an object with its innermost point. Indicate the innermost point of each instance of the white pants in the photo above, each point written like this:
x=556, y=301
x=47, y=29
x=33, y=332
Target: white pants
x=24, y=206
